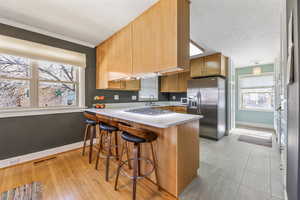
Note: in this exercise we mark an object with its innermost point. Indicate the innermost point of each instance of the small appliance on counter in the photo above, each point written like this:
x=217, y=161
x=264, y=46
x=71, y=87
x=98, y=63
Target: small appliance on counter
x=184, y=101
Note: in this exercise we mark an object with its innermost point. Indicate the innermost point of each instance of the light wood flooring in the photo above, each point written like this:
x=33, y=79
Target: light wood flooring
x=70, y=177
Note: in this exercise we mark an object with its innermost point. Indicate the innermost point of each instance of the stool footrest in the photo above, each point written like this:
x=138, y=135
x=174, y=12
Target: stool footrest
x=122, y=163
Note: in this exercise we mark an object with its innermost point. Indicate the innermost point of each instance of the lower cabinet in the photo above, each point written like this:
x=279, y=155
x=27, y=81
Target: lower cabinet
x=178, y=109
x=174, y=82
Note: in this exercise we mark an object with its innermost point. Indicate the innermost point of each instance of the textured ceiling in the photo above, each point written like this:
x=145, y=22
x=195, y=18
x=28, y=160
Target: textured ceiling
x=246, y=30
x=88, y=21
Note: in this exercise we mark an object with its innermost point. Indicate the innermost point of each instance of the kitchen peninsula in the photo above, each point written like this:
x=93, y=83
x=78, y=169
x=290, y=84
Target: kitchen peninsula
x=177, y=146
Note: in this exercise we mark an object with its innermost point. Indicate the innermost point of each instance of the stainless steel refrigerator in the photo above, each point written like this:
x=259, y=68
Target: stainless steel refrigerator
x=207, y=97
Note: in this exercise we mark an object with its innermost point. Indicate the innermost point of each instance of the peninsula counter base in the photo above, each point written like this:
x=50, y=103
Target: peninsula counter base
x=177, y=151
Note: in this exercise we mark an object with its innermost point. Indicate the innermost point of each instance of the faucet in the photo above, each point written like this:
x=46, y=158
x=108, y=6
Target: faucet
x=151, y=102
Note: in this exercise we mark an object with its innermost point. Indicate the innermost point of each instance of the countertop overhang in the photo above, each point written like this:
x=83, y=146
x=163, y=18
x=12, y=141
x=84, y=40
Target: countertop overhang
x=158, y=121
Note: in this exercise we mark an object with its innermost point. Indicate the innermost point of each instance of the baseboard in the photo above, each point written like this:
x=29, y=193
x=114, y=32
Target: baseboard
x=38, y=155
x=259, y=125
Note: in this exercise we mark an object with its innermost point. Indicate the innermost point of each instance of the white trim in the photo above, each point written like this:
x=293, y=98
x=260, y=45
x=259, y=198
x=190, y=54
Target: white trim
x=37, y=155
x=81, y=93
x=259, y=125
x=44, y=32
x=34, y=108
x=266, y=63
x=20, y=112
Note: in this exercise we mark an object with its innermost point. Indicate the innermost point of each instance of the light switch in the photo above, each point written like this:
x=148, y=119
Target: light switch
x=116, y=97
x=133, y=98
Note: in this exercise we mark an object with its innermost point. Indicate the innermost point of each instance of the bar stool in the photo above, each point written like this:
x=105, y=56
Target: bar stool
x=90, y=131
x=136, y=137
x=108, y=129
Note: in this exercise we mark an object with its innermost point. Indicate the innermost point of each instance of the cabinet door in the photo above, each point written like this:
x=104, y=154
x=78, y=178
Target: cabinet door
x=102, y=62
x=182, y=81
x=116, y=85
x=224, y=65
x=197, y=67
x=133, y=85
x=180, y=109
x=213, y=65
x=120, y=63
x=164, y=84
x=172, y=83
x=169, y=83
x=156, y=36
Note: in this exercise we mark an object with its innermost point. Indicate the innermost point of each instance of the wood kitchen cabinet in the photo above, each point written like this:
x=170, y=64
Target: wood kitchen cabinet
x=175, y=82
x=178, y=109
x=161, y=37
x=114, y=59
x=133, y=85
x=183, y=81
x=197, y=67
x=129, y=85
x=156, y=41
x=211, y=65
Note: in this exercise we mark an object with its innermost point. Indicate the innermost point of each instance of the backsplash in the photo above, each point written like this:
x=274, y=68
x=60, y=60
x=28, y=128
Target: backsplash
x=176, y=96
x=124, y=96
x=127, y=96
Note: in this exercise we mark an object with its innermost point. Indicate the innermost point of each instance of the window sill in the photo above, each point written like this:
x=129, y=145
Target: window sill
x=38, y=111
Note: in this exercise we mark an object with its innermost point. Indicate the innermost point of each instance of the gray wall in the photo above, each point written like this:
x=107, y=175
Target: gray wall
x=23, y=135
x=293, y=113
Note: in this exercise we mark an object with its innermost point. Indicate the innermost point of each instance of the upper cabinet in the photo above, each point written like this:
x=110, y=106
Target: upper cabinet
x=156, y=41
x=211, y=65
x=174, y=82
x=114, y=58
x=161, y=37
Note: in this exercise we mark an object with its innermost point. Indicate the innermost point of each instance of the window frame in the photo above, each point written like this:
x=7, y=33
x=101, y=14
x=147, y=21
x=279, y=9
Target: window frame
x=241, y=108
x=34, y=108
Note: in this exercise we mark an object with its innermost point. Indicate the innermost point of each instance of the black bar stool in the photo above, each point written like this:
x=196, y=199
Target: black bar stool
x=90, y=131
x=108, y=130
x=137, y=137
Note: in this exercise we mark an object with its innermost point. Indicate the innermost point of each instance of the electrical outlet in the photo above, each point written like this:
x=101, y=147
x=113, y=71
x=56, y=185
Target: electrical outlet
x=116, y=97
x=174, y=97
x=133, y=98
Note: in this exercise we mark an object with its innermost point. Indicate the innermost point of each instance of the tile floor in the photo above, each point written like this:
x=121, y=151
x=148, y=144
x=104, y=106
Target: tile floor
x=234, y=170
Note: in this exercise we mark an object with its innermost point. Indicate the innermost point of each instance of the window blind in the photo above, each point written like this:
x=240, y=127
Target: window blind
x=257, y=81
x=37, y=51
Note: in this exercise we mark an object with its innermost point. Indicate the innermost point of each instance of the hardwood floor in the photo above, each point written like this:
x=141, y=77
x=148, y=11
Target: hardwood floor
x=70, y=177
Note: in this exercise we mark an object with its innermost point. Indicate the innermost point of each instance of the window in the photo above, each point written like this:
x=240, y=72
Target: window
x=57, y=84
x=149, y=89
x=28, y=83
x=256, y=92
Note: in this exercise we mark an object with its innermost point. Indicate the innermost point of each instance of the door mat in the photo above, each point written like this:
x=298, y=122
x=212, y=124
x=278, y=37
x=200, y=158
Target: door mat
x=32, y=191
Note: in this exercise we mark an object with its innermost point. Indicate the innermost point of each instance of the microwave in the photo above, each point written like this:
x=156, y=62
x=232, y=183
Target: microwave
x=184, y=101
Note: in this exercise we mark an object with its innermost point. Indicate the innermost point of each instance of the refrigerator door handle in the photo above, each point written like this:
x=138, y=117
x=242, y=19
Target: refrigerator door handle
x=199, y=98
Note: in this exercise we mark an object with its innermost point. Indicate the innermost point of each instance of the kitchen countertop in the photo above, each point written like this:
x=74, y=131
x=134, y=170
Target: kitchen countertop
x=158, y=121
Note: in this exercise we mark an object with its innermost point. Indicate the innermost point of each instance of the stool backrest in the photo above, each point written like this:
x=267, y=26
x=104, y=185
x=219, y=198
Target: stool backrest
x=141, y=133
x=90, y=116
